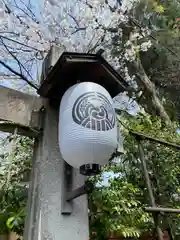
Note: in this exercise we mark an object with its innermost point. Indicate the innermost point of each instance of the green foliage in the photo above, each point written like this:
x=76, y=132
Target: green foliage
x=119, y=206
x=14, y=169
x=118, y=210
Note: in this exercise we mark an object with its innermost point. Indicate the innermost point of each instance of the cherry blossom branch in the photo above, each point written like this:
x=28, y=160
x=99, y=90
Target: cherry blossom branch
x=79, y=29
x=74, y=19
x=20, y=43
x=9, y=11
x=135, y=22
x=18, y=74
x=33, y=17
x=19, y=35
x=17, y=60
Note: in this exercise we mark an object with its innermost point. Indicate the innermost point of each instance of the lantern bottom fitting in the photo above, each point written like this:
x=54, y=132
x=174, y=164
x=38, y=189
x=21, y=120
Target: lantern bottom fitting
x=90, y=169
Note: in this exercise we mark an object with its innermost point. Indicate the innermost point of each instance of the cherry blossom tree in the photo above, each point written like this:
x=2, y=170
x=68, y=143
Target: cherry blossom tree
x=28, y=30
x=26, y=34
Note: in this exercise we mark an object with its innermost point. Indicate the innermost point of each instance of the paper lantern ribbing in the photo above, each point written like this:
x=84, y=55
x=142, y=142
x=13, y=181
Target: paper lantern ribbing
x=87, y=125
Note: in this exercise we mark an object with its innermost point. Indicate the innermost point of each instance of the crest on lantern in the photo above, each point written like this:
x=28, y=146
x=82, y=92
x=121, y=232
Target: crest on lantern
x=93, y=110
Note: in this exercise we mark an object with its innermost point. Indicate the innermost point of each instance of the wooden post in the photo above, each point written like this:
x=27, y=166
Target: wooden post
x=44, y=219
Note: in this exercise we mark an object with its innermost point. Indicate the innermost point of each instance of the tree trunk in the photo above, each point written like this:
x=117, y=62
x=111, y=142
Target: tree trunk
x=150, y=89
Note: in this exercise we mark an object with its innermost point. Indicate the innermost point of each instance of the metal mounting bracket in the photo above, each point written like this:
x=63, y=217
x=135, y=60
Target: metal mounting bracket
x=67, y=178
x=67, y=193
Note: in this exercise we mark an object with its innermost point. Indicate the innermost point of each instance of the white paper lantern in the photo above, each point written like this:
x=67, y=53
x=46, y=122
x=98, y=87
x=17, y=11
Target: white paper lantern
x=87, y=125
